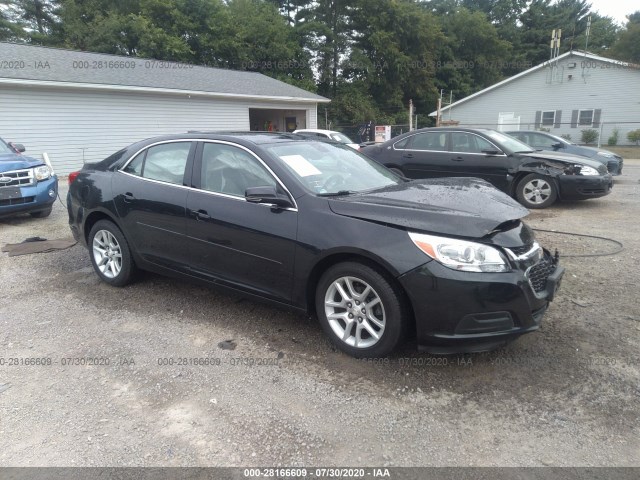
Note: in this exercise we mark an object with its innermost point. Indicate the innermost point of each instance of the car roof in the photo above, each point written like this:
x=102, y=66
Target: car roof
x=530, y=131
x=452, y=129
x=315, y=130
x=256, y=138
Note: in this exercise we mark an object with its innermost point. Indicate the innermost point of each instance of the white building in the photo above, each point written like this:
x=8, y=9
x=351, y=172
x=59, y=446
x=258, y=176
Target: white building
x=576, y=91
x=81, y=107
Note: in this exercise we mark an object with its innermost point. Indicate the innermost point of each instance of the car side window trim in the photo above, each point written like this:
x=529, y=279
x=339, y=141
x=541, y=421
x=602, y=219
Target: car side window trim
x=196, y=182
x=480, y=153
x=409, y=141
x=188, y=169
x=190, y=175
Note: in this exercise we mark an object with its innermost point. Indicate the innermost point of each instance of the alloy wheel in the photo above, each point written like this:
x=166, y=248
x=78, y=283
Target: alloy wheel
x=107, y=253
x=355, y=312
x=537, y=191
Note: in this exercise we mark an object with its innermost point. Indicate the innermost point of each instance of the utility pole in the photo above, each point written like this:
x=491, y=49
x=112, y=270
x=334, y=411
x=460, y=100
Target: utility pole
x=326, y=119
x=438, y=113
x=410, y=115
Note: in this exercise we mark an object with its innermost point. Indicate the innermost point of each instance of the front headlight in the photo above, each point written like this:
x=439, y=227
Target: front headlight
x=42, y=173
x=585, y=170
x=580, y=170
x=606, y=154
x=460, y=254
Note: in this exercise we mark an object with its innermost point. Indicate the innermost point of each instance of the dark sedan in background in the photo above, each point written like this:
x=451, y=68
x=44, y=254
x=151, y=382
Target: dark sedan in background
x=535, y=179
x=319, y=227
x=546, y=141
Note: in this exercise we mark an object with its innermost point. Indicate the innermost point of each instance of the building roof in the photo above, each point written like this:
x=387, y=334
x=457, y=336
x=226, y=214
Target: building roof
x=570, y=53
x=69, y=68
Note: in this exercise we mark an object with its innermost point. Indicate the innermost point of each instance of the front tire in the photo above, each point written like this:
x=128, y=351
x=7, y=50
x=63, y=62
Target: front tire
x=110, y=254
x=361, y=311
x=536, y=191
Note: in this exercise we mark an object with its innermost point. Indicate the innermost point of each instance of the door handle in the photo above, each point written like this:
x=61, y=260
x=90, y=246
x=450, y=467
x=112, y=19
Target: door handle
x=202, y=215
x=457, y=159
x=129, y=197
x=408, y=155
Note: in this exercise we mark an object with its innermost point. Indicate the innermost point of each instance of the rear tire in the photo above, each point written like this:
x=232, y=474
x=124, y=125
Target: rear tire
x=110, y=254
x=41, y=213
x=361, y=311
x=536, y=191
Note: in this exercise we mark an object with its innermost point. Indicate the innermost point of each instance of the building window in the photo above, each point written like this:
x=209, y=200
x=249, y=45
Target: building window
x=585, y=118
x=548, y=118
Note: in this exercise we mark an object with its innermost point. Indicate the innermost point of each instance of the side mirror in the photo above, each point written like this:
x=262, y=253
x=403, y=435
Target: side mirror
x=557, y=145
x=18, y=147
x=267, y=195
x=491, y=151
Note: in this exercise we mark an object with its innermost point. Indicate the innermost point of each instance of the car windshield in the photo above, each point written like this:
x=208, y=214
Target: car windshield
x=4, y=148
x=330, y=169
x=509, y=143
x=339, y=137
x=560, y=139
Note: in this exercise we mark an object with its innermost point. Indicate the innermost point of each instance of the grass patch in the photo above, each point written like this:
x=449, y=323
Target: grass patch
x=625, y=152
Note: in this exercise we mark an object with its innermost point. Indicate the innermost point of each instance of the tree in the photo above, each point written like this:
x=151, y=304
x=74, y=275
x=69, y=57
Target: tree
x=11, y=28
x=38, y=17
x=263, y=41
x=627, y=47
x=393, y=54
x=602, y=36
x=472, y=55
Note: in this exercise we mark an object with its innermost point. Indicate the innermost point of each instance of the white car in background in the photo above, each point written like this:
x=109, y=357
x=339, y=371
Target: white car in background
x=330, y=134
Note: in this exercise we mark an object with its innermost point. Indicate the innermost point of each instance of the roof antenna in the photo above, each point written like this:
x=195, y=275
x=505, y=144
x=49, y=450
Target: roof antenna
x=586, y=41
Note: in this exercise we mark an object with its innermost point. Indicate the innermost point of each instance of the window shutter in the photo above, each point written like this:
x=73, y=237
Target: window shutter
x=538, y=119
x=574, y=119
x=596, y=117
x=558, y=121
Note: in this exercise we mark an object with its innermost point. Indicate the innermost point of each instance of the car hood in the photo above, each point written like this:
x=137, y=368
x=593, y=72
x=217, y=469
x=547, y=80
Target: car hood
x=592, y=151
x=463, y=207
x=562, y=157
x=13, y=161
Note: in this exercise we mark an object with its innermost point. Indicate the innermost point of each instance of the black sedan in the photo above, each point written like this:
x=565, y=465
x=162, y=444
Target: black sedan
x=535, y=179
x=319, y=227
x=546, y=141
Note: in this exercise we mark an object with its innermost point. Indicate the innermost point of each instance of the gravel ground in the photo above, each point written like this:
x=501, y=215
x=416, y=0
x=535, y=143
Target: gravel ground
x=279, y=394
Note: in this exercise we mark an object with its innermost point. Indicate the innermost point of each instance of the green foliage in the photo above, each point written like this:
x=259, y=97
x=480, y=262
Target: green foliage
x=627, y=47
x=589, y=135
x=566, y=136
x=543, y=129
x=634, y=136
x=369, y=56
x=613, y=139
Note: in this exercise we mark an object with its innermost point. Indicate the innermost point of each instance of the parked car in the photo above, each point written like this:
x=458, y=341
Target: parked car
x=318, y=227
x=27, y=185
x=546, y=141
x=330, y=134
x=535, y=179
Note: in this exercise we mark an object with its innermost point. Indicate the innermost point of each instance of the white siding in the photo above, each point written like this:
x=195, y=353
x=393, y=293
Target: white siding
x=600, y=85
x=64, y=122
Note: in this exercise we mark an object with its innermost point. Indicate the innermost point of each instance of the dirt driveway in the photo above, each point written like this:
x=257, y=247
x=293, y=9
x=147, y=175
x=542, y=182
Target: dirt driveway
x=139, y=376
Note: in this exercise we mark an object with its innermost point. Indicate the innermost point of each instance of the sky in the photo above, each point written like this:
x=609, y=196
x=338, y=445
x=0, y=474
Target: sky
x=616, y=9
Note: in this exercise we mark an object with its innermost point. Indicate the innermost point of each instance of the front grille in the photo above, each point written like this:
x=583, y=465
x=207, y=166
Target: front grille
x=517, y=251
x=17, y=178
x=16, y=201
x=539, y=273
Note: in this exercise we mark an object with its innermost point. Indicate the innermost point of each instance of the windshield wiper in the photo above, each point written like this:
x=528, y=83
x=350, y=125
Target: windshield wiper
x=339, y=193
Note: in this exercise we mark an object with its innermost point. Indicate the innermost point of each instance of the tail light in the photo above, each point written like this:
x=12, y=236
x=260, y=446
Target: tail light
x=72, y=177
